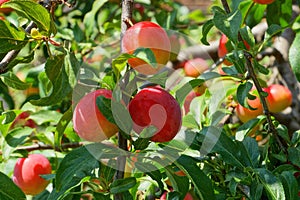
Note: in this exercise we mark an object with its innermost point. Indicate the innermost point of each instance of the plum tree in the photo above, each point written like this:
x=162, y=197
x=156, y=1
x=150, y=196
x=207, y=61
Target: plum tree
x=279, y=97
x=147, y=35
x=195, y=67
x=27, y=173
x=155, y=106
x=89, y=122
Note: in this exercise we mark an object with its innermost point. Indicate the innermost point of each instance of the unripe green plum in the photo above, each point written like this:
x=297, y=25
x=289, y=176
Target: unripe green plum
x=147, y=35
x=155, y=106
x=89, y=123
x=27, y=173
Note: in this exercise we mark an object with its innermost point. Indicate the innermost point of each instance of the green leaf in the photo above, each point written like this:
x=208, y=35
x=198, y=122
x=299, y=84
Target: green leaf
x=242, y=94
x=11, y=80
x=17, y=136
x=247, y=127
x=159, y=78
x=262, y=69
x=61, y=71
x=11, y=37
x=271, y=183
x=104, y=105
x=251, y=147
x=78, y=163
x=152, y=171
x=8, y=190
x=21, y=59
x=122, y=185
x=197, y=176
x=283, y=10
x=294, y=56
x=290, y=184
x=34, y=12
x=185, y=90
x=207, y=26
x=294, y=155
x=256, y=190
x=295, y=138
x=61, y=126
x=179, y=183
x=223, y=145
x=272, y=30
x=89, y=19
x=229, y=24
x=254, y=15
x=146, y=55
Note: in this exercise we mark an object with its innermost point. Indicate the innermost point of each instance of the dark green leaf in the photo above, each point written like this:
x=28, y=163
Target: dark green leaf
x=290, y=184
x=223, y=145
x=146, y=55
x=197, y=176
x=272, y=30
x=256, y=190
x=10, y=37
x=242, y=94
x=152, y=171
x=294, y=56
x=295, y=138
x=159, y=78
x=251, y=147
x=11, y=80
x=104, y=105
x=271, y=183
x=255, y=14
x=121, y=116
x=8, y=190
x=205, y=30
x=262, y=69
x=78, y=163
x=294, y=155
x=122, y=185
x=247, y=127
x=283, y=10
x=179, y=183
x=34, y=12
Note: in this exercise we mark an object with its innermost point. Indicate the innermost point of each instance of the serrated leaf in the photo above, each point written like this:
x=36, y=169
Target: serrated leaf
x=78, y=163
x=8, y=190
x=34, y=12
x=122, y=185
x=11, y=37
x=207, y=26
x=197, y=176
x=11, y=80
x=294, y=56
x=272, y=184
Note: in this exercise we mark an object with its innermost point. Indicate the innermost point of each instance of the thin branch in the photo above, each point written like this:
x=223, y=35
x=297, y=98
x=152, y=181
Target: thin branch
x=45, y=147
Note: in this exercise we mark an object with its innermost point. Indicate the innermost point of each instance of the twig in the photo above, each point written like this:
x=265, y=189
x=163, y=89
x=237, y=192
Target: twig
x=44, y=147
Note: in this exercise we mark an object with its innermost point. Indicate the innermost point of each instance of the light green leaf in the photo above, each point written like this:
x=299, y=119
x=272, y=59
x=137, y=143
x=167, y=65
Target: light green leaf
x=11, y=80
x=294, y=56
x=11, y=37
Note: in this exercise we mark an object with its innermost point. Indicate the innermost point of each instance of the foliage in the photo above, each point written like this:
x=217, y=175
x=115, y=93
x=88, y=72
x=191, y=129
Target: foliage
x=74, y=47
